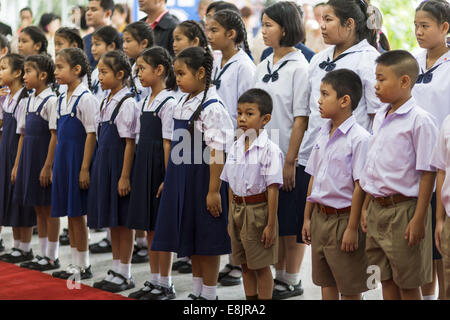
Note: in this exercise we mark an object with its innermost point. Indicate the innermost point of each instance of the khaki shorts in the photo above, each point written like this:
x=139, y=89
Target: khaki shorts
x=247, y=223
x=387, y=248
x=445, y=248
x=332, y=267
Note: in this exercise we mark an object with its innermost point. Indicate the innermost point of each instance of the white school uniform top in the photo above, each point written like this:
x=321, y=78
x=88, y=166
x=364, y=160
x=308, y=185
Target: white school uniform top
x=142, y=92
x=214, y=121
x=165, y=113
x=126, y=117
x=337, y=162
x=63, y=87
x=97, y=90
x=289, y=94
x=441, y=161
x=8, y=107
x=400, y=148
x=435, y=95
x=48, y=112
x=361, y=60
x=237, y=78
x=251, y=172
x=87, y=109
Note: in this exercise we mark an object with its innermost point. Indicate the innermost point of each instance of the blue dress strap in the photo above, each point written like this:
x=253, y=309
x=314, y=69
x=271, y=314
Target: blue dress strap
x=44, y=102
x=18, y=101
x=145, y=102
x=74, y=108
x=204, y=105
x=116, y=110
x=162, y=104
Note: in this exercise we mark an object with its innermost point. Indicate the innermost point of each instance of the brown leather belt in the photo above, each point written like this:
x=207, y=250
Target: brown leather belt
x=257, y=198
x=331, y=210
x=392, y=200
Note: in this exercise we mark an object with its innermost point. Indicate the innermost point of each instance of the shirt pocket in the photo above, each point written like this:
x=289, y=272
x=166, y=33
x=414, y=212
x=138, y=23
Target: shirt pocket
x=340, y=165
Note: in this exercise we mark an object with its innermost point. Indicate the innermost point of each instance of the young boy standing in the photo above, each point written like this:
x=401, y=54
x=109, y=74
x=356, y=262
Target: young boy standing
x=335, y=198
x=399, y=180
x=254, y=171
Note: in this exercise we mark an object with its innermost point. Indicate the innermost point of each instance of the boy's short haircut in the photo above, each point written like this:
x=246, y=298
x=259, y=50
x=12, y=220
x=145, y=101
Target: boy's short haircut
x=402, y=63
x=258, y=97
x=26, y=9
x=345, y=82
x=106, y=4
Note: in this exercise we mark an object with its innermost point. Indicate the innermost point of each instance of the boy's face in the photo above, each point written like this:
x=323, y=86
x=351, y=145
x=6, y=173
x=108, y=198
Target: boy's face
x=389, y=87
x=95, y=15
x=329, y=103
x=249, y=117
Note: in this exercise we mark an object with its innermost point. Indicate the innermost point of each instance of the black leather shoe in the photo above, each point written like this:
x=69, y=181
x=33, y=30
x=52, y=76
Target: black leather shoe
x=290, y=290
x=100, y=284
x=50, y=265
x=74, y=271
x=64, y=238
x=126, y=284
x=148, y=286
x=165, y=294
x=100, y=246
x=185, y=268
x=140, y=255
x=229, y=280
x=29, y=263
x=24, y=256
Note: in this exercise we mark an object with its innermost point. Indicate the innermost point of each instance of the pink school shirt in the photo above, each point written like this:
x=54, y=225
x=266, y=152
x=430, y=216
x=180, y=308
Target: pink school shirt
x=336, y=162
x=400, y=148
x=251, y=172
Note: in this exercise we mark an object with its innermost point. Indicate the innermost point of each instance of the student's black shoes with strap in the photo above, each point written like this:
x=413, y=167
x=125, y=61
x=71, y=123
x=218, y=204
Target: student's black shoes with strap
x=100, y=284
x=148, y=286
x=230, y=280
x=126, y=284
x=203, y=298
x=103, y=246
x=24, y=256
x=30, y=263
x=178, y=264
x=164, y=294
x=222, y=274
x=74, y=272
x=192, y=296
x=64, y=238
x=50, y=265
x=186, y=267
x=140, y=254
x=288, y=292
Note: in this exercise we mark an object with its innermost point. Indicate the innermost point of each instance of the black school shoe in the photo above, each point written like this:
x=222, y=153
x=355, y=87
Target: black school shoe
x=24, y=256
x=126, y=284
x=140, y=255
x=290, y=290
x=75, y=272
x=98, y=248
x=64, y=237
x=2, y=246
x=186, y=267
x=35, y=231
x=229, y=280
x=148, y=286
x=203, y=298
x=165, y=294
x=100, y=284
x=50, y=265
x=29, y=263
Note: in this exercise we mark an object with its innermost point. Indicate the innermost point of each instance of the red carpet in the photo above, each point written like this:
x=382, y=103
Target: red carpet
x=18, y=283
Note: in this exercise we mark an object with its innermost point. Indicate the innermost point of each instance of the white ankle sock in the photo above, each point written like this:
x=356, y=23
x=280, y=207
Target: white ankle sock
x=108, y=234
x=209, y=292
x=16, y=244
x=279, y=274
x=115, y=268
x=43, y=246
x=292, y=278
x=197, y=284
x=52, y=250
x=141, y=242
x=83, y=259
x=125, y=270
x=74, y=255
x=154, y=278
x=25, y=246
x=230, y=261
x=431, y=297
x=165, y=281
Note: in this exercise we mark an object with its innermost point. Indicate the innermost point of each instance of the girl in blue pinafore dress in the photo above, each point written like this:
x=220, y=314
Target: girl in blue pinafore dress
x=34, y=171
x=76, y=112
x=109, y=192
x=192, y=217
x=152, y=153
x=20, y=218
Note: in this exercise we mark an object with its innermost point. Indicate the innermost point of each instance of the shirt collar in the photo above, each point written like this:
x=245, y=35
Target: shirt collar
x=45, y=93
x=119, y=95
x=422, y=60
x=259, y=142
x=199, y=97
x=291, y=56
x=363, y=45
x=157, y=21
x=404, y=109
x=79, y=90
x=344, y=128
x=15, y=97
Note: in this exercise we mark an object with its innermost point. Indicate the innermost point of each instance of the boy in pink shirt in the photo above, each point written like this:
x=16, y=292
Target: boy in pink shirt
x=399, y=180
x=335, y=198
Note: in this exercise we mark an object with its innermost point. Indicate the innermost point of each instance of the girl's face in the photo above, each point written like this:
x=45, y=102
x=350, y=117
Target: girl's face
x=332, y=30
x=187, y=81
x=32, y=78
x=181, y=42
x=219, y=38
x=131, y=46
x=65, y=74
x=148, y=75
x=7, y=76
x=99, y=47
x=272, y=32
x=429, y=33
x=108, y=79
x=62, y=43
x=27, y=46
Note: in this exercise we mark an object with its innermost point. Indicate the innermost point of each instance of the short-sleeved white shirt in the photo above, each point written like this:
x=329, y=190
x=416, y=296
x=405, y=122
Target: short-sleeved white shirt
x=8, y=106
x=48, y=111
x=97, y=90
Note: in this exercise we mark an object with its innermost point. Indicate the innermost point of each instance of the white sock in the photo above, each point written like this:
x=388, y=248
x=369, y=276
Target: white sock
x=108, y=234
x=83, y=259
x=115, y=268
x=230, y=261
x=235, y=273
x=165, y=282
x=74, y=255
x=16, y=244
x=43, y=245
x=141, y=242
x=209, y=292
x=279, y=274
x=25, y=246
x=52, y=250
x=292, y=278
x=154, y=278
x=431, y=297
x=125, y=270
x=197, y=285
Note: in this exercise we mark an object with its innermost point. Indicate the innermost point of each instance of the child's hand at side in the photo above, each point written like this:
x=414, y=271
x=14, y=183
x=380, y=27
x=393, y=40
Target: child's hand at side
x=268, y=236
x=415, y=231
x=84, y=179
x=213, y=203
x=160, y=189
x=350, y=240
x=364, y=220
x=124, y=187
x=13, y=175
x=45, y=177
x=306, y=231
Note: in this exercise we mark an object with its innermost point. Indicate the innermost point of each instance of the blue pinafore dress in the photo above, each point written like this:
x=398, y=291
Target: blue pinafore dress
x=12, y=214
x=106, y=209
x=28, y=190
x=148, y=171
x=67, y=197
x=184, y=225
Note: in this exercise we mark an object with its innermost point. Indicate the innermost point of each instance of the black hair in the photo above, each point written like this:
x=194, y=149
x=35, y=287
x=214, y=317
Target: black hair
x=17, y=62
x=345, y=82
x=117, y=61
x=46, y=19
x=109, y=35
x=231, y=20
x=402, y=63
x=44, y=63
x=222, y=5
x=259, y=97
x=383, y=41
x=72, y=35
x=288, y=17
x=26, y=9
x=122, y=8
x=438, y=9
x=160, y=56
x=141, y=31
x=299, y=9
x=74, y=57
x=357, y=10
x=37, y=35
x=4, y=43
x=106, y=4
x=192, y=29
x=196, y=58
